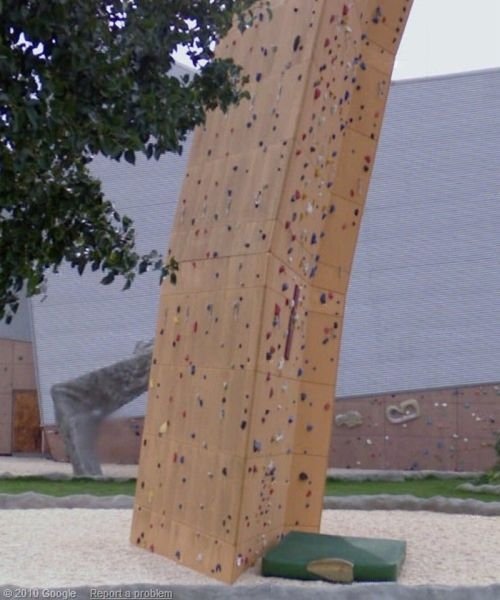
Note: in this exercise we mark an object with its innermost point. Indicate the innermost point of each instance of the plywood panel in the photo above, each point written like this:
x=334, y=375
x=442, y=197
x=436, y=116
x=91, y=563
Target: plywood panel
x=6, y=370
x=273, y=417
x=245, y=360
x=23, y=353
x=305, y=492
x=23, y=376
x=6, y=351
x=313, y=422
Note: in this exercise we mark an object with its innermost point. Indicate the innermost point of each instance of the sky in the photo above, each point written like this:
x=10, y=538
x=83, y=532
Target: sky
x=449, y=36
x=446, y=36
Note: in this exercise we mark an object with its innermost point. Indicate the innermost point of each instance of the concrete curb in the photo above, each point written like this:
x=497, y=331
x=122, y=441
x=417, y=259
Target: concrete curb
x=408, y=502
x=380, y=475
x=485, y=488
x=32, y=500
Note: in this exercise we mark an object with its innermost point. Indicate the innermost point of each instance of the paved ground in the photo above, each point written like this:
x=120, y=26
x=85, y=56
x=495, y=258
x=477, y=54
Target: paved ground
x=34, y=465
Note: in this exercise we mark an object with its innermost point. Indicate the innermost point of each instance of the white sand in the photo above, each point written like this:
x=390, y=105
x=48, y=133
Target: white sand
x=62, y=547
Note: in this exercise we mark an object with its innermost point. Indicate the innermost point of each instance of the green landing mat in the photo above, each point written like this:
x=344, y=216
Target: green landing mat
x=334, y=558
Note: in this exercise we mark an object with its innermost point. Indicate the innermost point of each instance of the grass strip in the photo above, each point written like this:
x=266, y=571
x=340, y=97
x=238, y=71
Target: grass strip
x=421, y=488
x=67, y=487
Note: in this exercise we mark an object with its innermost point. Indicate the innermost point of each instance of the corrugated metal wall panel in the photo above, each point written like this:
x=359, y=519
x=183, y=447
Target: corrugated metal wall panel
x=423, y=308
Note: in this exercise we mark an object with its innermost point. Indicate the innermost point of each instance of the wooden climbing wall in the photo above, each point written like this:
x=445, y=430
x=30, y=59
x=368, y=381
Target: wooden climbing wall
x=240, y=406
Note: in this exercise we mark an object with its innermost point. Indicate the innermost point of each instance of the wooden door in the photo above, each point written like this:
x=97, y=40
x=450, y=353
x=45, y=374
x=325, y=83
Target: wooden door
x=5, y=423
x=26, y=431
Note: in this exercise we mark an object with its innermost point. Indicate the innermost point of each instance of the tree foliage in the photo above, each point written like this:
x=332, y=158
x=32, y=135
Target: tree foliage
x=85, y=77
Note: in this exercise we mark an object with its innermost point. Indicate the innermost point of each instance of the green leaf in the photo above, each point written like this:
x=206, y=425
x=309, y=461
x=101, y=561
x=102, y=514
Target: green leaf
x=103, y=84
x=129, y=156
x=109, y=278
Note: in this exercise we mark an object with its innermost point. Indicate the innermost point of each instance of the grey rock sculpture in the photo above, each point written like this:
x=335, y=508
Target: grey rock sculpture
x=408, y=410
x=352, y=418
x=82, y=403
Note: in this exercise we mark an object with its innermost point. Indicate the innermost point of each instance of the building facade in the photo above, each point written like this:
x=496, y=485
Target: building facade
x=20, y=425
x=419, y=372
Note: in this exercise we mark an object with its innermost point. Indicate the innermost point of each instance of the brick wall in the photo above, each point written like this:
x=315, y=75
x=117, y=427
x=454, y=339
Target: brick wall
x=444, y=429
x=119, y=441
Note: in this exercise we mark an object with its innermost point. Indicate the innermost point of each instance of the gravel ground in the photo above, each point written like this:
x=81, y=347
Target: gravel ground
x=78, y=547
